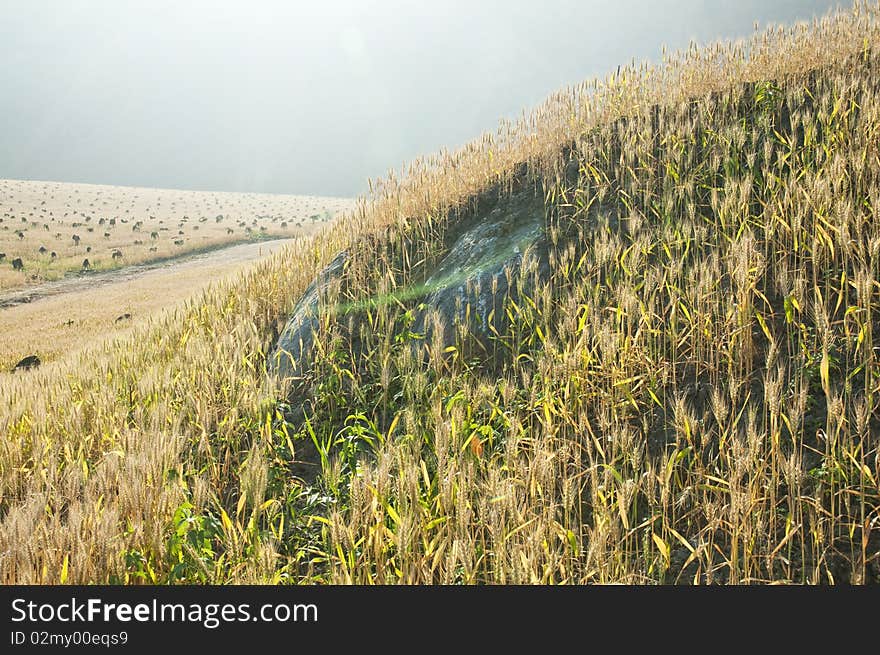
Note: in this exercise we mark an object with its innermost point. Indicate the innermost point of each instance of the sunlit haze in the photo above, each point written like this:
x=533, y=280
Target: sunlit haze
x=308, y=98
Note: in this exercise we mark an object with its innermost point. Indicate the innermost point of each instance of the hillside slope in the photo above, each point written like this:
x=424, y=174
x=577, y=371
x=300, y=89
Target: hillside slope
x=690, y=395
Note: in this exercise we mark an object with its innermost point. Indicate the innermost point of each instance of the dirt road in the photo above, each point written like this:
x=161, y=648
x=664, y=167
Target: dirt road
x=56, y=319
x=228, y=255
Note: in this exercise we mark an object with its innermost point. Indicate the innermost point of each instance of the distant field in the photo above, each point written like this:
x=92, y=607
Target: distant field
x=53, y=227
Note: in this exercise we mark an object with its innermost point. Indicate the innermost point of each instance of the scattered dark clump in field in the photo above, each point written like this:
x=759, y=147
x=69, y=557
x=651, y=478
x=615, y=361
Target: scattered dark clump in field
x=27, y=363
x=85, y=215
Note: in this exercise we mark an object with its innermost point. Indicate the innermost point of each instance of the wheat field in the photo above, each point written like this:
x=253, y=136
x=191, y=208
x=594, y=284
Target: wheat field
x=691, y=397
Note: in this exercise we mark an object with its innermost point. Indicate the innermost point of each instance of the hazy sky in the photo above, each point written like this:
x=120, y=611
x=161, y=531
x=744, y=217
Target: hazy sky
x=306, y=97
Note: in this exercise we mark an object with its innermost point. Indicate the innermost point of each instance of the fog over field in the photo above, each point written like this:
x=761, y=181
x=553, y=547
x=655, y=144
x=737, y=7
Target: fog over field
x=306, y=97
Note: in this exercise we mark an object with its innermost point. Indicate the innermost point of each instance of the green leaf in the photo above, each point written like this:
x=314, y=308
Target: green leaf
x=662, y=546
x=64, y=569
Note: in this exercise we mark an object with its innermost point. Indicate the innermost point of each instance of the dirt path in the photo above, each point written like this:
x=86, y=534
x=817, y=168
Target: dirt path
x=58, y=319
x=224, y=255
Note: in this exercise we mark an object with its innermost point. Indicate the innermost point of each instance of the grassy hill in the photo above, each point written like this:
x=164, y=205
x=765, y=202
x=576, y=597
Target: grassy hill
x=691, y=396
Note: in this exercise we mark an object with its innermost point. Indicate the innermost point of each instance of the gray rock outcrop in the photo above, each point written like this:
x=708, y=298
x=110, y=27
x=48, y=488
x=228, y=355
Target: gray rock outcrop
x=295, y=343
x=482, y=267
x=483, y=264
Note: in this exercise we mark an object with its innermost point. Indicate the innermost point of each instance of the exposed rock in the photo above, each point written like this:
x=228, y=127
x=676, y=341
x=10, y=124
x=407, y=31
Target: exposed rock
x=296, y=341
x=481, y=268
x=482, y=265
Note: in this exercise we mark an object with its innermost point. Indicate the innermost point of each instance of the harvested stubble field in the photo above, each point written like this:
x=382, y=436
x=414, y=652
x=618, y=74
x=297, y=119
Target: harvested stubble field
x=53, y=226
x=691, y=396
